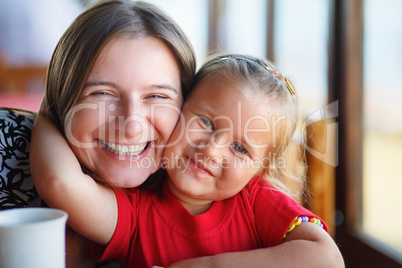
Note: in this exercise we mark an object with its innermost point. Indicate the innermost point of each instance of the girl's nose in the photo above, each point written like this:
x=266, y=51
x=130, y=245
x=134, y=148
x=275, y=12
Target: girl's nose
x=216, y=147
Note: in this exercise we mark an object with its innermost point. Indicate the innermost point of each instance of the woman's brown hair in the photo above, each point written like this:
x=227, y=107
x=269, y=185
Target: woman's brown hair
x=79, y=47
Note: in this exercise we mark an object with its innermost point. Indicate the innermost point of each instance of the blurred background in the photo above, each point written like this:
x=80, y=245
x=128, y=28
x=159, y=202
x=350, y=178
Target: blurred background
x=344, y=59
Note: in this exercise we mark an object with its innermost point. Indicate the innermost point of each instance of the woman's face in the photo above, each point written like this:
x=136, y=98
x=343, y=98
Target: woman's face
x=127, y=111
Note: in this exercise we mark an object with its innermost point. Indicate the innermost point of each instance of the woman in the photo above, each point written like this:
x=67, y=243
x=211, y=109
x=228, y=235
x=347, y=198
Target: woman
x=115, y=86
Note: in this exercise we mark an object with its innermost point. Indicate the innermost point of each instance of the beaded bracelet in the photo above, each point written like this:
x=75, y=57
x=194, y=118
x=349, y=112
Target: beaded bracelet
x=301, y=219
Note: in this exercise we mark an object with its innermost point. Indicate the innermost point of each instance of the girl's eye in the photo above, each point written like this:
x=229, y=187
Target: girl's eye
x=207, y=122
x=239, y=148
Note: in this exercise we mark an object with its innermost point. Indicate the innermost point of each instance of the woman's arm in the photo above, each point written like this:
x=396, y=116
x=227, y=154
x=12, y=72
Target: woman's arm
x=308, y=245
x=78, y=250
x=58, y=178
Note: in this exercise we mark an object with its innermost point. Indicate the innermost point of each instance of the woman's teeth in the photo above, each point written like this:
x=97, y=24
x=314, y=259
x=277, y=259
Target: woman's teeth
x=130, y=150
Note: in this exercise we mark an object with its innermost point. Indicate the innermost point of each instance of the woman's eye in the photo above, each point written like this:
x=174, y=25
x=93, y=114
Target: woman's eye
x=239, y=148
x=207, y=122
x=157, y=96
x=101, y=93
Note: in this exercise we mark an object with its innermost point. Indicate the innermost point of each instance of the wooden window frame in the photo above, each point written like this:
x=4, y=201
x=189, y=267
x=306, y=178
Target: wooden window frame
x=346, y=86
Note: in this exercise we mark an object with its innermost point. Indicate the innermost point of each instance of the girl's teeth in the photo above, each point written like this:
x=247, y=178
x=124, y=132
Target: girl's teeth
x=130, y=150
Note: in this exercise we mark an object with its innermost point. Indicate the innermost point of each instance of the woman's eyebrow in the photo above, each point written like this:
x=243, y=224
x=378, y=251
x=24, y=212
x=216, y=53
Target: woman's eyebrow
x=150, y=87
x=99, y=83
x=164, y=86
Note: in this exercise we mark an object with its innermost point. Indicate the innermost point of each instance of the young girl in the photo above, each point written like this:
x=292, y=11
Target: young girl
x=216, y=204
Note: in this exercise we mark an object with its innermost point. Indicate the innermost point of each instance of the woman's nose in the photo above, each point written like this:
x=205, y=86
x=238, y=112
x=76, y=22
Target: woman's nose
x=133, y=122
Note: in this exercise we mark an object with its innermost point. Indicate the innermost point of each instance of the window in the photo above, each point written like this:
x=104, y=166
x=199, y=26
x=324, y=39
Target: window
x=364, y=55
x=300, y=45
x=192, y=16
x=382, y=121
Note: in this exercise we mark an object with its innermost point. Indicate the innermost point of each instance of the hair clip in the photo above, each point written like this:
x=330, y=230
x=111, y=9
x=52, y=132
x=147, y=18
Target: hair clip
x=284, y=80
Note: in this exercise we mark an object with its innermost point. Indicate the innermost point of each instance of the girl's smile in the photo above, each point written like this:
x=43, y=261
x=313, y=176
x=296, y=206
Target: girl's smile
x=198, y=166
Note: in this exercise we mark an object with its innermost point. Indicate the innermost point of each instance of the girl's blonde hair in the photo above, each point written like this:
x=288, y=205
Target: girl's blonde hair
x=261, y=80
x=79, y=47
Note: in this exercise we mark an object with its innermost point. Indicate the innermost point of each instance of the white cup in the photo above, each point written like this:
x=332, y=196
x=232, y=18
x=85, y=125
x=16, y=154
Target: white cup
x=32, y=237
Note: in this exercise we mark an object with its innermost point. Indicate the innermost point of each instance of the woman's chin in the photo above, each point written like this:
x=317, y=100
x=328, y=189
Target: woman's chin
x=128, y=179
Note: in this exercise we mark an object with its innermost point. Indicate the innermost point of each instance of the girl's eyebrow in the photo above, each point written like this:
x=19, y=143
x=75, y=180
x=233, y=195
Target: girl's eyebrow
x=114, y=85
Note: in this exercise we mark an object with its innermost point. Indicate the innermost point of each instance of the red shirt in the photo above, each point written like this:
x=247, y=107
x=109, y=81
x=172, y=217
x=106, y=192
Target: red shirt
x=155, y=229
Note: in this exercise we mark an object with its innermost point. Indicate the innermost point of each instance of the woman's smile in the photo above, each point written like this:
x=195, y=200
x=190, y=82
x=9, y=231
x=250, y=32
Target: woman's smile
x=124, y=149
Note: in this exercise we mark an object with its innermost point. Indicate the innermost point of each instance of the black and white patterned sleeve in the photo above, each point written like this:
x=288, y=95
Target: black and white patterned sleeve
x=16, y=185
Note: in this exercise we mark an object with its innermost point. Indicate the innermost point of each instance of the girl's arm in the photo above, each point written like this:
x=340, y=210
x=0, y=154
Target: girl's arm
x=308, y=245
x=59, y=180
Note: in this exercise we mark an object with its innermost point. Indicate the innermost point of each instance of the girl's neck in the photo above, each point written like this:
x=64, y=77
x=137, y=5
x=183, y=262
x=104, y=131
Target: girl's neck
x=192, y=205
x=196, y=209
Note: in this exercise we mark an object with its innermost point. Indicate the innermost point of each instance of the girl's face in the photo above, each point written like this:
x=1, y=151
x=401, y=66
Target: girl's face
x=127, y=111
x=221, y=141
